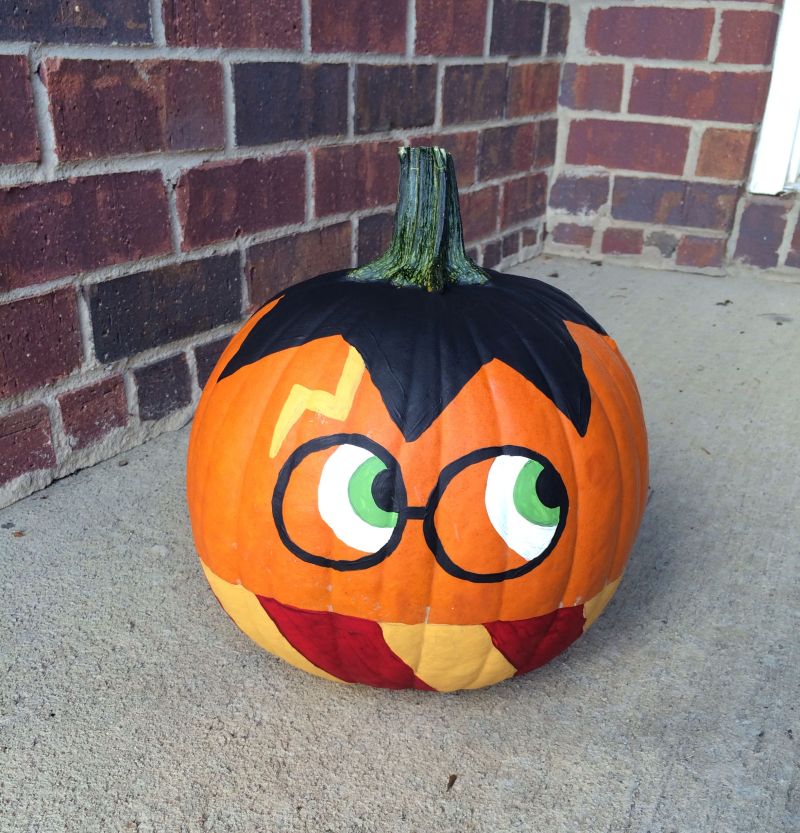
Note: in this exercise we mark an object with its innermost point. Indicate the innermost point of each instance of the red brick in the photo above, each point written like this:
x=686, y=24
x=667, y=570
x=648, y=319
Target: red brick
x=633, y=146
x=530, y=236
x=572, y=234
x=492, y=254
x=374, y=236
x=390, y=97
x=228, y=199
x=622, y=241
x=474, y=92
x=55, y=21
x=163, y=387
x=92, y=412
x=276, y=264
x=725, y=154
x=462, y=146
x=793, y=256
x=650, y=32
x=524, y=199
x=747, y=37
x=18, y=139
x=61, y=228
x=532, y=88
x=206, y=357
x=41, y=343
x=25, y=443
x=544, y=143
x=277, y=100
x=761, y=232
x=510, y=244
x=105, y=108
x=558, y=34
x=579, y=194
x=350, y=177
x=148, y=309
x=233, y=23
x=701, y=252
x=674, y=202
x=517, y=27
x=692, y=94
x=505, y=150
x=479, y=212
x=358, y=26
x=450, y=27
x=592, y=87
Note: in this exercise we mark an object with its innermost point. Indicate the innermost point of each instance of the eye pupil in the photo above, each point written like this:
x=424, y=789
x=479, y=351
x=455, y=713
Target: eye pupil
x=538, y=493
x=383, y=490
x=550, y=487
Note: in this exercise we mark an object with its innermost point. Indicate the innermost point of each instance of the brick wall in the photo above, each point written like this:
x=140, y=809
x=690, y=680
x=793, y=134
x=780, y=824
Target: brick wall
x=167, y=166
x=658, y=111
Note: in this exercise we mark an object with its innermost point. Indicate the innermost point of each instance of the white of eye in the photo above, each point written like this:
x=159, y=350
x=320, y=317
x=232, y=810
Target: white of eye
x=334, y=502
x=527, y=539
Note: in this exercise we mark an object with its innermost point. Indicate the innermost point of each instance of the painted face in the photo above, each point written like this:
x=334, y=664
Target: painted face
x=446, y=550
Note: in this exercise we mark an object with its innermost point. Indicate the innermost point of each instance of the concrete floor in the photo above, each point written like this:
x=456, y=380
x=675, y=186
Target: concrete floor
x=129, y=702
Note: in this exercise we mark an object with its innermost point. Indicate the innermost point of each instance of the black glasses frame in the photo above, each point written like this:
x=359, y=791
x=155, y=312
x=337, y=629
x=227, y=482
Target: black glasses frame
x=406, y=512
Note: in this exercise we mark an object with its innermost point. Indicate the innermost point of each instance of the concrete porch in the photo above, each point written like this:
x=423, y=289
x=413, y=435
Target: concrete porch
x=129, y=702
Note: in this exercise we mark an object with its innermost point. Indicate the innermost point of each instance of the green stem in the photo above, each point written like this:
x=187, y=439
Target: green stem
x=427, y=248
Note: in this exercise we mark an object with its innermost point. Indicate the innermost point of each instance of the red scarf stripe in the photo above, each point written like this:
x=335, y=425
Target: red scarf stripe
x=348, y=647
x=530, y=643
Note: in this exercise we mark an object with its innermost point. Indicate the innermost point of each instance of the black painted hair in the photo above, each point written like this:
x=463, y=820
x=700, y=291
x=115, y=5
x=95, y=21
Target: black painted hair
x=421, y=348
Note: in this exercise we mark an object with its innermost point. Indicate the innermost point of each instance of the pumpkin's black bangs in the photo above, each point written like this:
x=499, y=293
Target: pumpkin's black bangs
x=421, y=348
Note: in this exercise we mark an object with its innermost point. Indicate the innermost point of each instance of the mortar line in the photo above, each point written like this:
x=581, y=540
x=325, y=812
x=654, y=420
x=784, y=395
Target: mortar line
x=157, y=23
x=715, y=40
x=191, y=362
x=546, y=32
x=246, y=301
x=310, y=182
x=175, y=228
x=86, y=332
x=733, y=238
x=439, y=98
x=305, y=18
x=411, y=28
x=44, y=120
x=792, y=219
x=627, y=84
x=228, y=105
x=355, y=231
x=351, y=100
x=487, y=34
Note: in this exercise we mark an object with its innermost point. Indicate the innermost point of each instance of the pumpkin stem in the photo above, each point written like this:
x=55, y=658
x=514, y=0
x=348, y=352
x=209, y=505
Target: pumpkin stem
x=427, y=248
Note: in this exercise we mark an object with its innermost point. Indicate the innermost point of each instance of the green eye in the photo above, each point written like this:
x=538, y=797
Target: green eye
x=526, y=498
x=365, y=489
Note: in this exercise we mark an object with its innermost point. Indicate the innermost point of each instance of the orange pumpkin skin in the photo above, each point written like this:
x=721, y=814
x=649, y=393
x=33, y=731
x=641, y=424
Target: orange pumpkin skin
x=232, y=477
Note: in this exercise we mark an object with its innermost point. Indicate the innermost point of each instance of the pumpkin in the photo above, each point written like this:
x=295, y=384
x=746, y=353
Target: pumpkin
x=418, y=473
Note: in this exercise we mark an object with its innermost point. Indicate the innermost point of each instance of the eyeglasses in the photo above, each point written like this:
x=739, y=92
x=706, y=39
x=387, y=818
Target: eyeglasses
x=362, y=497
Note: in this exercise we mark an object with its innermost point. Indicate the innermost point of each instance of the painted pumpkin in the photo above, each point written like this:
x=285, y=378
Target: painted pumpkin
x=418, y=473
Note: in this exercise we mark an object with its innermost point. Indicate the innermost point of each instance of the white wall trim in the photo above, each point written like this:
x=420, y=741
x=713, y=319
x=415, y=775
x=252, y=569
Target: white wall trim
x=776, y=166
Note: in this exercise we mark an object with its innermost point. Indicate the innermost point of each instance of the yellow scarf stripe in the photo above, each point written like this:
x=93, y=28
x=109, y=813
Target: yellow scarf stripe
x=449, y=657
x=245, y=609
